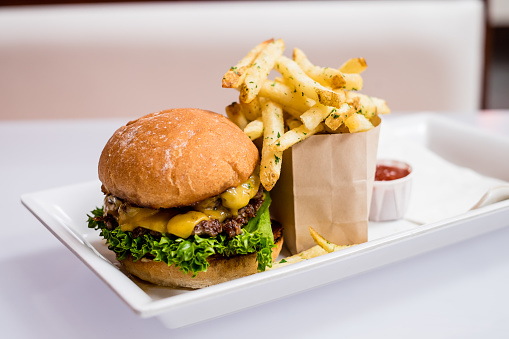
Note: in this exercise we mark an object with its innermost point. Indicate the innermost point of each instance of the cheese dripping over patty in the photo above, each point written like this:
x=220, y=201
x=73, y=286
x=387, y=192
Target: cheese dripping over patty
x=172, y=221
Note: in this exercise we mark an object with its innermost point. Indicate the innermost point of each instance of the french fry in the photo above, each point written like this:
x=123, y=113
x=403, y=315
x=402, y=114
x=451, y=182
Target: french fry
x=358, y=123
x=292, y=102
x=324, y=243
x=353, y=101
x=304, y=85
x=326, y=76
x=259, y=70
x=293, y=122
x=354, y=65
x=342, y=129
x=353, y=82
x=376, y=120
x=236, y=74
x=337, y=117
x=381, y=106
x=254, y=129
x=252, y=110
x=316, y=114
x=235, y=114
x=367, y=106
x=281, y=80
x=312, y=252
x=293, y=112
x=294, y=136
x=270, y=163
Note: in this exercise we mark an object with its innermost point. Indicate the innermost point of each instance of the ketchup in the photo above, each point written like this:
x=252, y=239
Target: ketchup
x=386, y=173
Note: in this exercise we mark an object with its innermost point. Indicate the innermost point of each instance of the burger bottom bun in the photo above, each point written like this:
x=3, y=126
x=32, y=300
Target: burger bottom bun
x=221, y=269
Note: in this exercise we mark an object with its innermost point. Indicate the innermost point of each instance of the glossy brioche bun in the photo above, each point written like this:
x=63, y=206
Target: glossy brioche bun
x=221, y=269
x=175, y=158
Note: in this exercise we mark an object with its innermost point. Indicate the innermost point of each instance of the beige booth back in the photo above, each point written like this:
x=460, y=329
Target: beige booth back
x=87, y=61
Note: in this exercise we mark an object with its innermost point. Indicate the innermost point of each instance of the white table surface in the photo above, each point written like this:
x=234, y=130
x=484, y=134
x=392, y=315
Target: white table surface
x=461, y=291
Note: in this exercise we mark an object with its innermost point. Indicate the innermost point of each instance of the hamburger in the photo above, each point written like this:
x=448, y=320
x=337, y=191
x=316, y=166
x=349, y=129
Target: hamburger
x=183, y=203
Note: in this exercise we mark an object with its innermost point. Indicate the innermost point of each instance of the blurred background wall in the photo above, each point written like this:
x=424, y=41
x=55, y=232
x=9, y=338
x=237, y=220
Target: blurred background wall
x=495, y=49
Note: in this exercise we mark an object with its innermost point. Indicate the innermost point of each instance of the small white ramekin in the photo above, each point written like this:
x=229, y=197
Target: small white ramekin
x=390, y=199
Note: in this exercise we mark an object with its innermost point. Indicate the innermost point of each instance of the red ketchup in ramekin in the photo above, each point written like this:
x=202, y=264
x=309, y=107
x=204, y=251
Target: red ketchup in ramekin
x=391, y=190
x=387, y=172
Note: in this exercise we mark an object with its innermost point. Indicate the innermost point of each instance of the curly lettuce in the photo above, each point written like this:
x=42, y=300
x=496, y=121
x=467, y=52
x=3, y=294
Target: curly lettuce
x=190, y=255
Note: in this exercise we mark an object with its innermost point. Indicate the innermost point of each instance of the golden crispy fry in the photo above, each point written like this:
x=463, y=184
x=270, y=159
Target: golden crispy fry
x=270, y=164
x=312, y=252
x=376, y=120
x=294, y=136
x=292, y=102
x=281, y=80
x=259, y=70
x=236, y=74
x=292, y=111
x=365, y=105
x=358, y=123
x=304, y=85
x=354, y=65
x=293, y=122
x=353, y=82
x=337, y=117
x=353, y=101
x=381, y=106
x=316, y=114
x=234, y=112
x=342, y=129
x=368, y=106
x=324, y=243
x=254, y=129
x=326, y=76
x=252, y=110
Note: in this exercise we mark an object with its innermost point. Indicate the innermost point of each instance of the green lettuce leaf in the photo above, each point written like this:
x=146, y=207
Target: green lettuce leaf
x=191, y=254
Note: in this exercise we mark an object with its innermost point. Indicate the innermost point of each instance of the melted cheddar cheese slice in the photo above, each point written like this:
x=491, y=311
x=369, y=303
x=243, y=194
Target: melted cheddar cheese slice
x=182, y=225
x=237, y=197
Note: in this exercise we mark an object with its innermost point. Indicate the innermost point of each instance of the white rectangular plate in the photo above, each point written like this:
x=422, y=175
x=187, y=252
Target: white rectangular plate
x=63, y=211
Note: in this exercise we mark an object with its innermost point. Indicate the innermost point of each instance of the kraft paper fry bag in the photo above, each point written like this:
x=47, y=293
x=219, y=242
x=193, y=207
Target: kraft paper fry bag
x=326, y=182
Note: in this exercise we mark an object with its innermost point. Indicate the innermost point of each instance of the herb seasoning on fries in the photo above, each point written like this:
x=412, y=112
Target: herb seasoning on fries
x=305, y=100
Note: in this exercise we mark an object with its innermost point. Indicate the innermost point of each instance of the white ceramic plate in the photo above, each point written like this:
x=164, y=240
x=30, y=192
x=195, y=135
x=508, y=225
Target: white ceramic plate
x=63, y=211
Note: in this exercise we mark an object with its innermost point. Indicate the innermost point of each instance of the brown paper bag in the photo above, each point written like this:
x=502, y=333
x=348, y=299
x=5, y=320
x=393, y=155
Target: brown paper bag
x=326, y=182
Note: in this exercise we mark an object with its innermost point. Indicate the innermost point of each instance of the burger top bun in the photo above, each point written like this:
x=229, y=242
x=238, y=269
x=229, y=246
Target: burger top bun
x=176, y=157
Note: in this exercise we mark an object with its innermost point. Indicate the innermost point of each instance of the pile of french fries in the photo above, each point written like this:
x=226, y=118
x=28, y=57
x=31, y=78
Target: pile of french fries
x=306, y=99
